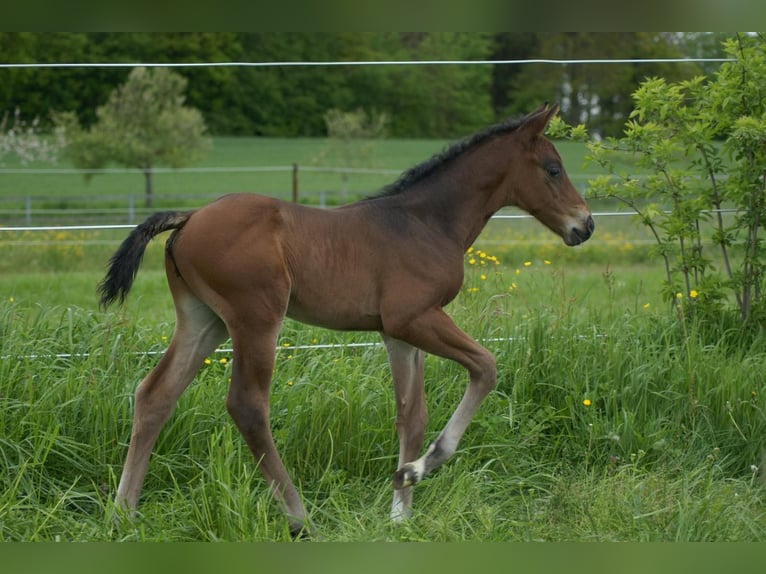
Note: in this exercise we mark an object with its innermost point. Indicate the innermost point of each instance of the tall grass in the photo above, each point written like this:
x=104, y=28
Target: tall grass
x=611, y=420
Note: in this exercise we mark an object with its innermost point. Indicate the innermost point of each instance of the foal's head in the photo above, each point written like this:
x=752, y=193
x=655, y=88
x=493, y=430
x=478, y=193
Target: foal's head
x=539, y=184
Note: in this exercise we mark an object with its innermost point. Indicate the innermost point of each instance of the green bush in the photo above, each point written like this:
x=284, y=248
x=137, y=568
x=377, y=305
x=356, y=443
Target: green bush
x=691, y=152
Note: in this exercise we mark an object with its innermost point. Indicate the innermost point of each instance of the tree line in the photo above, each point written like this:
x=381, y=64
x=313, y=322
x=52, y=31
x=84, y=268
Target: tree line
x=419, y=101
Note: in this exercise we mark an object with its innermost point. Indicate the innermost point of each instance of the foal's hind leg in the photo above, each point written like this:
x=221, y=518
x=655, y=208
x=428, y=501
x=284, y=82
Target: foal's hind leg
x=254, y=338
x=406, y=364
x=198, y=332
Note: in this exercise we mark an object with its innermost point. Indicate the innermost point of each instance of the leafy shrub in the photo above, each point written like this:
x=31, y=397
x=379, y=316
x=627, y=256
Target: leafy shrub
x=692, y=152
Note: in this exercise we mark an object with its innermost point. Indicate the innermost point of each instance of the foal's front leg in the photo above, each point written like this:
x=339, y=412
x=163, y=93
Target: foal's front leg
x=436, y=333
x=406, y=364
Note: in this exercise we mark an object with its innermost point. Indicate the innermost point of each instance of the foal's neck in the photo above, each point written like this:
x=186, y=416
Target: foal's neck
x=461, y=198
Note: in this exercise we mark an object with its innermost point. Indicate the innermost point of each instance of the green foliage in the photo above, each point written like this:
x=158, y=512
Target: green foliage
x=355, y=125
x=422, y=101
x=697, y=148
x=144, y=124
x=559, y=129
x=351, y=138
x=596, y=94
x=457, y=98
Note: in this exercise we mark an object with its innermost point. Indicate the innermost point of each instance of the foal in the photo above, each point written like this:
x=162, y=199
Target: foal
x=240, y=265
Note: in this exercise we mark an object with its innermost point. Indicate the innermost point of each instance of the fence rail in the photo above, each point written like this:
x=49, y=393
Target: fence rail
x=233, y=169
x=335, y=63
x=227, y=350
x=33, y=210
x=496, y=217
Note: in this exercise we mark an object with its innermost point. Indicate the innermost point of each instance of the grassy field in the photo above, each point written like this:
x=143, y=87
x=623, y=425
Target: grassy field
x=612, y=419
x=113, y=197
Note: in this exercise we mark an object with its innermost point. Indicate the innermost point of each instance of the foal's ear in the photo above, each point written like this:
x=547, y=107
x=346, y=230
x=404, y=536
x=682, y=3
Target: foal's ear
x=536, y=122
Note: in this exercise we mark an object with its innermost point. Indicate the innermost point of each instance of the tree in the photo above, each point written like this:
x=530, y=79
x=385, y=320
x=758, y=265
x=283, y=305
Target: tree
x=701, y=145
x=511, y=46
x=143, y=124
x=421, y=101
x=38, y=90
x=351, y=138
x=22, y=140
x=595, y=94
x=434, y=101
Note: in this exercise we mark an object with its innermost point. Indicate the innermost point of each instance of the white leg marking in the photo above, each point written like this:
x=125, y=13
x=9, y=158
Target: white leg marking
x=400, y=510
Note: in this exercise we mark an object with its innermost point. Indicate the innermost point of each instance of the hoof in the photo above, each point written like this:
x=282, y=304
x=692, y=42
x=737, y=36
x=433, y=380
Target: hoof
x=405, y=476
x=303, y=533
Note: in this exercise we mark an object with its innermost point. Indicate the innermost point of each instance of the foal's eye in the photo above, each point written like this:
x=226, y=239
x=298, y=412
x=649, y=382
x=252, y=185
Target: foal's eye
x=553, y=170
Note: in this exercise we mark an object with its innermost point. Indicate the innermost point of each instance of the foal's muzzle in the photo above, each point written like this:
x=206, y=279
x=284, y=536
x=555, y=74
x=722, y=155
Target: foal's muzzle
x=580, y=233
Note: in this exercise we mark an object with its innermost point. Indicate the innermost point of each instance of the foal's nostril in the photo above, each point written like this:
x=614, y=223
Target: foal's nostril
x=590, y=225
x=580, y=231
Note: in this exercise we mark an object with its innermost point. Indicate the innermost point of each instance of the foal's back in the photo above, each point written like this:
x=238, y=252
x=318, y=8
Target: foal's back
x=339, y=268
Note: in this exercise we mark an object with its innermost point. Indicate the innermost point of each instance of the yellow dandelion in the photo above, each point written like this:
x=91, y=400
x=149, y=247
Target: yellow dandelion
x=472, y=261
x=473, y=289
x=208, y=361
x=512, y=287
x=314, y=341
x=679, y=295
x=587, y=402
x=286, y=345
x=289, y=383
x=646, y=305
x=693, y=293
x=546, y=262
x=223, y=361
x=518, y=272
x=527, y=263
x=482, y=255
x=10, y=299
x=483, y=277
x=164, y=338
x=470, y=250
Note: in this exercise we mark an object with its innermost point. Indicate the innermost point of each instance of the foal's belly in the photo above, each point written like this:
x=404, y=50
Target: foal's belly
x=334, y=316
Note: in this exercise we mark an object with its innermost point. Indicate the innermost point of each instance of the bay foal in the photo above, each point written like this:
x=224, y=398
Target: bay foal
x=240, y=265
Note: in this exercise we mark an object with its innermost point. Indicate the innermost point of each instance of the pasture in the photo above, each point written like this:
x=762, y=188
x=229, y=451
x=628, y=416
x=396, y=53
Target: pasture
x=263, y=165
x=612, y=420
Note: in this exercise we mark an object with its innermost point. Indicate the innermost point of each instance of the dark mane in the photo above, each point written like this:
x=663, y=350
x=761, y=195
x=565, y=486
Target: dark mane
x=432, y=165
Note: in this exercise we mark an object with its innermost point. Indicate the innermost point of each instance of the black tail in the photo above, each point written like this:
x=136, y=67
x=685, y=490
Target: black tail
x=124, y=264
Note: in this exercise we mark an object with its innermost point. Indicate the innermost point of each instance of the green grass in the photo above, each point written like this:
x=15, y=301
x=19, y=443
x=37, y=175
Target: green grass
x=612, y=420
x=230, y=153
x=104, y=192
x=663, y=452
